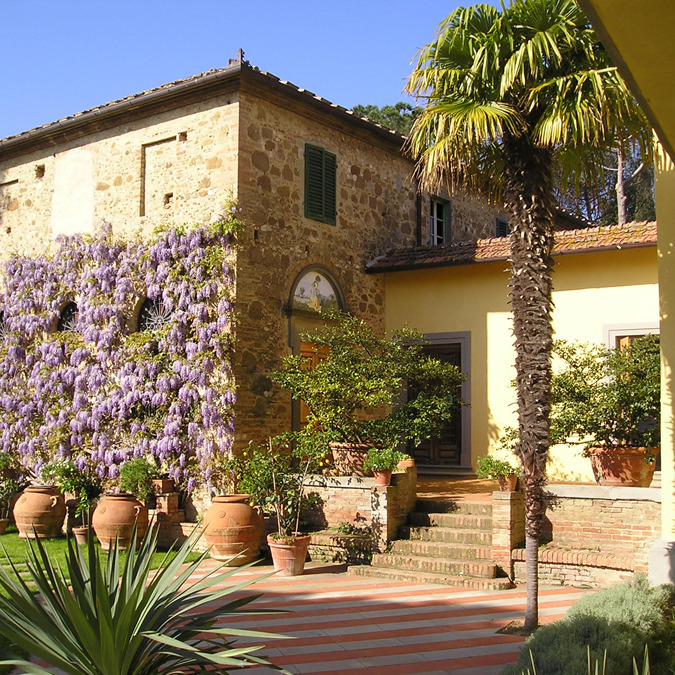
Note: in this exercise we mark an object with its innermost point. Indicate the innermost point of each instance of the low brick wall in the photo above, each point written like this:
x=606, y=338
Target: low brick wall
x=591, y=535
x=359, y=502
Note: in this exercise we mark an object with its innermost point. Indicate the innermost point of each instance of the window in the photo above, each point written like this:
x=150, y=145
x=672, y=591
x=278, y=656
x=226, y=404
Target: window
x=153, y=315
x=439, y=222
x=67, y=322
x=502, y=228
x=320, y=184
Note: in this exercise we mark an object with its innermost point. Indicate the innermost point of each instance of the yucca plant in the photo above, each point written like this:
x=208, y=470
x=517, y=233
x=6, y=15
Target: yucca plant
x=109, y=618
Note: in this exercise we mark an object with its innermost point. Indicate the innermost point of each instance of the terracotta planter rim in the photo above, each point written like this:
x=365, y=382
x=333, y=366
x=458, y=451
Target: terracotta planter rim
x=233, y=498
x=299, y=538
x=622, y=450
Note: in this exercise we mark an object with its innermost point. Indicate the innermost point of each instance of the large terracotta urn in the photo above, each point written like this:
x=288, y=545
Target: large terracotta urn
x=622, y=465
x=39, y=512
x=114, y=518
x=233, y=530
x=348, y=458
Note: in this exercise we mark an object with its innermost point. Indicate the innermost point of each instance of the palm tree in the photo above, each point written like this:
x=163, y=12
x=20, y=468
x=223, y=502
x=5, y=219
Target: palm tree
x=508, y=93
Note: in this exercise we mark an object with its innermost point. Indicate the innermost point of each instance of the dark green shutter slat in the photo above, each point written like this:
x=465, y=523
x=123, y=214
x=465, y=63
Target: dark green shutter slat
x=329, y=188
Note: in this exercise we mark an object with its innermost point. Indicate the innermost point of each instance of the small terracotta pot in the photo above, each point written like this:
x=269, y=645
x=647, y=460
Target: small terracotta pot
x=233, y=530
x=348, y=458
x=407, y=463
x=382, y=478
x=508, y=483
x=289, y=556
x=114, y=518
x=39, y=512
x=81, y=535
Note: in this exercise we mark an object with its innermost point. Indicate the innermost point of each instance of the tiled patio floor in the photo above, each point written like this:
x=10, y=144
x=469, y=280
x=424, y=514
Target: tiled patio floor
x=345, y=624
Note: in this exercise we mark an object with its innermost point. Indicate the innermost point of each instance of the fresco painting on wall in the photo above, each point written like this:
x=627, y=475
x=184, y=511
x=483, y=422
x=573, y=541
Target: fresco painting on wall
x=314, y=293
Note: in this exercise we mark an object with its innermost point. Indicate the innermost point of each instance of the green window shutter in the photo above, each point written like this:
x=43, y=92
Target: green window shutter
x=320, y=184
x=502, y=229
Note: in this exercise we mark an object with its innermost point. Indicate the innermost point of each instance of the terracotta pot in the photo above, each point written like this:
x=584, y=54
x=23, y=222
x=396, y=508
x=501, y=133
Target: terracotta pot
x=233, y=528
x=4, y=522
x=508, y=483
x=382, y=478
x=348, y=458
x=39, y=512
x=114, y=518
x=81, y=535
x=623, y=466
x=407, y=463
x=289, y=556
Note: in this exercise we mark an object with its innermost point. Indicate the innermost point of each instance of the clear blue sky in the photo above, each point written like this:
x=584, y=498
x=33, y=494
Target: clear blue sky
x=64, y=56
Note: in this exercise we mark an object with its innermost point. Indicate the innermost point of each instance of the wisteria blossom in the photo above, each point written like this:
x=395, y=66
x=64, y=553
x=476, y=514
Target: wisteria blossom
x=106, y=392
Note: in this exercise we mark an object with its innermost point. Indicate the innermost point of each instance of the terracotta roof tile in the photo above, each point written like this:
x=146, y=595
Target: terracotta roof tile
x=611, y=237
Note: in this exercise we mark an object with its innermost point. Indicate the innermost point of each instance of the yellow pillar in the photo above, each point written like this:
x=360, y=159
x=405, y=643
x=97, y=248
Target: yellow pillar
x=662, y=554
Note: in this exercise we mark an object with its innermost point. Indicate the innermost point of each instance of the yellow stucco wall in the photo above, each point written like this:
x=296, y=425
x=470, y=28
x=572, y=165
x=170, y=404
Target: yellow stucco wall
x=593, y=293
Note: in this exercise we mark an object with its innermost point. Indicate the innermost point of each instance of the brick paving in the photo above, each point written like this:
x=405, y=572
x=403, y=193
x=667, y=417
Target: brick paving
x=343, y=624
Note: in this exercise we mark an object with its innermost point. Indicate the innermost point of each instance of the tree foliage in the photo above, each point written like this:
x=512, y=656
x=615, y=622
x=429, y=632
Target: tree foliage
x=398, y=117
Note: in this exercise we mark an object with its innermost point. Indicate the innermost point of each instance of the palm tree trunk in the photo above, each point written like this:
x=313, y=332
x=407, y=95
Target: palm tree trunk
x=529, y=197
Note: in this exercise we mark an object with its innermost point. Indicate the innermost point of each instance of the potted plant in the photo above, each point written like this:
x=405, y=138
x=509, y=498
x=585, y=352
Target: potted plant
x=354, y=393
x=503, y=472
x=382, y=461
x=84, y=485
x=8, y=488
x=118, y=512
x=275, y=478
x=609, y=401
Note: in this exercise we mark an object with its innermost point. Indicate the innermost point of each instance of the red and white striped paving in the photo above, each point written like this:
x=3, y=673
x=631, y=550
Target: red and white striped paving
x=345, y=624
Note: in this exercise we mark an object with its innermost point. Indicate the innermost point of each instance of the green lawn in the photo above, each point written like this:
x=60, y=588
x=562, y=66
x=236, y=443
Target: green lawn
x=17, y=550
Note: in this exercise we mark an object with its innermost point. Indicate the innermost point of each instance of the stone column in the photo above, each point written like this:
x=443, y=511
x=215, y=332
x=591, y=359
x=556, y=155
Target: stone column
x=662, y=553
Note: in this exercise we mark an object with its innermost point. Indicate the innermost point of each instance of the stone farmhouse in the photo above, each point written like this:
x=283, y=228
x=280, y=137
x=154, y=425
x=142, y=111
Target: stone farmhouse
x=322, y=191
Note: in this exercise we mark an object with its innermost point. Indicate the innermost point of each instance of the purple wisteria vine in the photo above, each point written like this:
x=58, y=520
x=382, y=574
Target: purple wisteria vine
x=106, y=392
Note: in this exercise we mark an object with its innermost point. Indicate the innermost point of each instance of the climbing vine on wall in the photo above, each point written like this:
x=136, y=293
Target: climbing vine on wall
x=106, y=393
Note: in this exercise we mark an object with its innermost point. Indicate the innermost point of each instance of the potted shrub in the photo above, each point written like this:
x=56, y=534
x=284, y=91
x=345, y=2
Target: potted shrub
x=275, y=478
x=84, y=485
x=500, y=470
x=8, y=488
x=609, y=401
x=382, y=461
x=354, y=394
x=118, y=512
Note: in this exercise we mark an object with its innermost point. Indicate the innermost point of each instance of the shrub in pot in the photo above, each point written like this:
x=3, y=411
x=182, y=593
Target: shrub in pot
x=8, y=488
x=382, y=461
x=274, y=475
x=85, y=486
x=503, y=472
x=609, y=401
x=354, y=394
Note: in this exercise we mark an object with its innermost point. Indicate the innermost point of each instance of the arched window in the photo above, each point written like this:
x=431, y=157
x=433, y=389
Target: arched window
x=315, y=291
x=67, y=322
x=153, y=315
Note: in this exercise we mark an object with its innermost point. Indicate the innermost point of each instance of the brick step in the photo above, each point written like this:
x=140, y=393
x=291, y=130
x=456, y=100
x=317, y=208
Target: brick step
x=451, y=520
x=495, y=584
x=445, y=506
x=445, y=534
x=469, y=568
x=445, y=550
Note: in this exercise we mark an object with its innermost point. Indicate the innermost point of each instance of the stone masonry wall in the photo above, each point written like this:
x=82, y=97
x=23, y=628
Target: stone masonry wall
x=376, y=209
x=174, y=167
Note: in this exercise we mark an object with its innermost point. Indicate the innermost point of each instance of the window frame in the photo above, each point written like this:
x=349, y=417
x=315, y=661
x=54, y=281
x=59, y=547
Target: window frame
x=502, y=222
x=436, y=239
